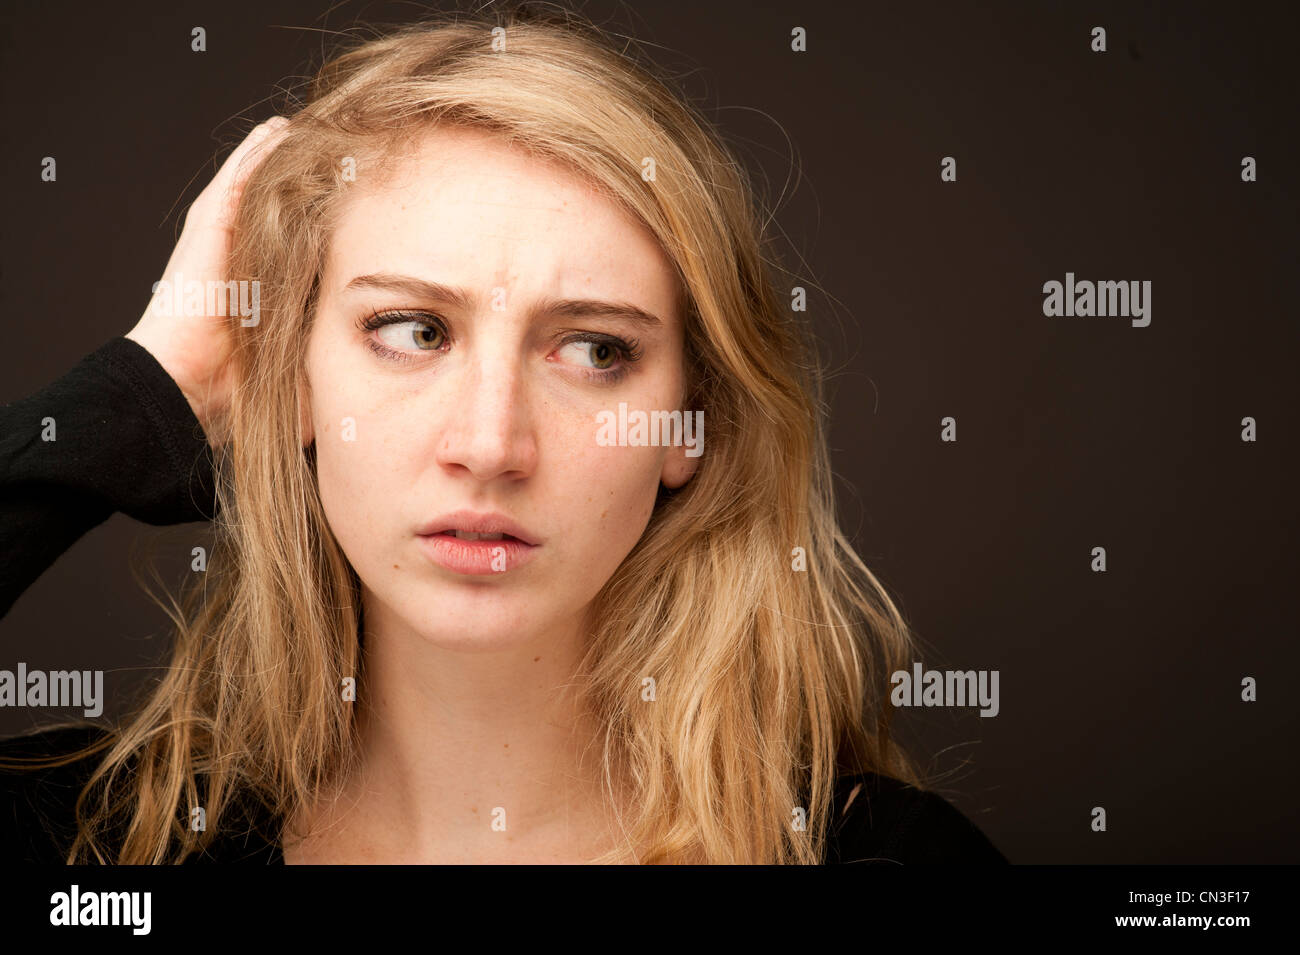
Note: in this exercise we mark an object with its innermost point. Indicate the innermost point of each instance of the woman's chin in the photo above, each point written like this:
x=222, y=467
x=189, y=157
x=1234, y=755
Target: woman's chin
x=478, y=619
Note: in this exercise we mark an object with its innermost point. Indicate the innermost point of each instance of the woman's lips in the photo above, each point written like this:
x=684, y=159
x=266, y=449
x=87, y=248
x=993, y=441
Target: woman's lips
x=476, y=557
x=466, y=521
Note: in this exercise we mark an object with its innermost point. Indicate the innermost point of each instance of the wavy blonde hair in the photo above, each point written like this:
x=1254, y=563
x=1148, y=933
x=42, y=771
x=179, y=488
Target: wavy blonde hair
x=771, y=681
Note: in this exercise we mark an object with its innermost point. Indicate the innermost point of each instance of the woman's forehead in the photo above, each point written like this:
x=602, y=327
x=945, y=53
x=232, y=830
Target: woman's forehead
x=467, y=209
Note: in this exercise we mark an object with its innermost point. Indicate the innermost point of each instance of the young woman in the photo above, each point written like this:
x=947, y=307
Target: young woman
x=479, y=257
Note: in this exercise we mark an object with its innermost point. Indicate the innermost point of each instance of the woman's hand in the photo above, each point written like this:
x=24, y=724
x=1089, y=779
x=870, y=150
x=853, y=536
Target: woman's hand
x=195, y=349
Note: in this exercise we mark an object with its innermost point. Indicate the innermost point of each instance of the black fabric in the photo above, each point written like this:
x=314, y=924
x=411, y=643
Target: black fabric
x=38, y=805
x=878, y=819
x=127, y=440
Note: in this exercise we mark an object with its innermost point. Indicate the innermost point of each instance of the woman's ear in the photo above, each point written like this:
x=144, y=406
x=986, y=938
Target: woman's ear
x=683, y=457
x=679, y=466
x=304, y=412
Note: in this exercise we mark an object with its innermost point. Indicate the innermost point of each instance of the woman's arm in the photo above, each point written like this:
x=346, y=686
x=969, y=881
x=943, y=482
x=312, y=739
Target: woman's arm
x=128, y=429
x=113, y=434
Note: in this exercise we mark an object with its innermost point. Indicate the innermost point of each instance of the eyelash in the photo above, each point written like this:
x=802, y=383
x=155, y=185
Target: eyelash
x=629, y=350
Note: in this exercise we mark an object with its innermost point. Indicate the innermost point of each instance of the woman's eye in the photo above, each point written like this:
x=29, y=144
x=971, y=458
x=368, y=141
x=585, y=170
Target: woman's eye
x=599, y=355
x=407, y=335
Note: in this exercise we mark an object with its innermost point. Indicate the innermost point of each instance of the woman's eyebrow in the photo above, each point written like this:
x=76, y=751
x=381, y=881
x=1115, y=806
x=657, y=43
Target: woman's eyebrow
x=460, y=298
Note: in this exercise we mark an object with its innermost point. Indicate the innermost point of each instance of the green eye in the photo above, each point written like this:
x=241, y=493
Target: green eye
x=407, y=335
x=603, y=355
x=594, y=355
x=604, y=359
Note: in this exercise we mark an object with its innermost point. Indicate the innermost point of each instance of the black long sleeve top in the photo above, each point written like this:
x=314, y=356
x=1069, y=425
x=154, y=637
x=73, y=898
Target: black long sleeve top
x=125, y=439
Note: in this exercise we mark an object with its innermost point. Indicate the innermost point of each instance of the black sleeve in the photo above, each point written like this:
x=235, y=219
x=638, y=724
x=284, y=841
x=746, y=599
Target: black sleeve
x=38, y=805
x=113, y=434
x=890, y=822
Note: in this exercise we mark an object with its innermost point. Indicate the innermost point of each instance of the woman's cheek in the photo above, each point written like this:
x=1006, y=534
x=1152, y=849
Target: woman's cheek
x=618, y=488
x=351, y=469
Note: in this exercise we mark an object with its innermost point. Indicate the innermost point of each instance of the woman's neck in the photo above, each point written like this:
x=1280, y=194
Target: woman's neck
x=467, y=755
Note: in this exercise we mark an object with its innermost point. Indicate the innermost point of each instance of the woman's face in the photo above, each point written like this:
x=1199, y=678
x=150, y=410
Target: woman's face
x=480, y=395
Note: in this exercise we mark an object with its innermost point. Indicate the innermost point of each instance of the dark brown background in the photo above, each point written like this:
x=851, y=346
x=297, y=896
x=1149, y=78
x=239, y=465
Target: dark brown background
x=1120, y=689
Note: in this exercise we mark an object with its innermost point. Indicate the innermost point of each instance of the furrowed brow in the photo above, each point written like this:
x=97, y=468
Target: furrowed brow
x=449, y=294
x=591, y=308
x=418, y=288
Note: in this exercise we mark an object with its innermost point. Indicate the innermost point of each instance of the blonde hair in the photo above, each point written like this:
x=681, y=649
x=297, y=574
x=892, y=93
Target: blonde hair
x=771, y=681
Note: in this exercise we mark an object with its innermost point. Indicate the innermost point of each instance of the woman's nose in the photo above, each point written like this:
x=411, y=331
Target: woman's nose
x=489, y=431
